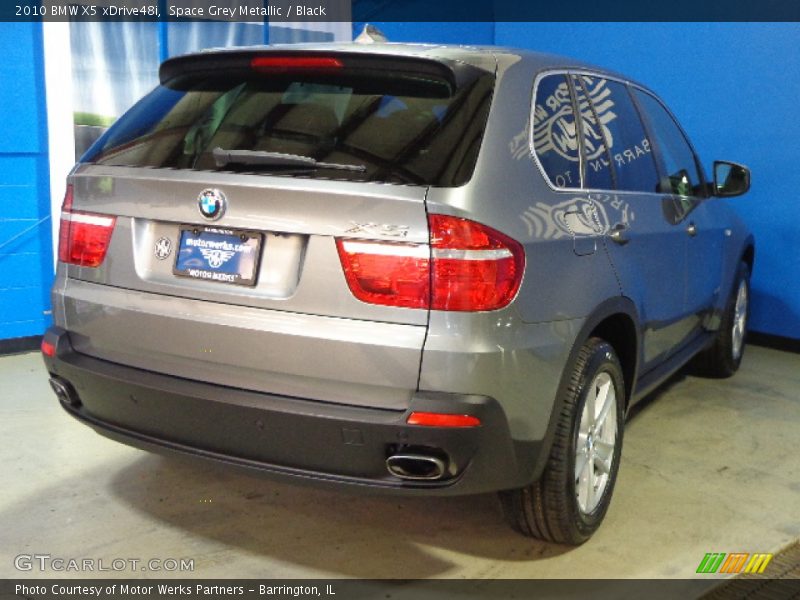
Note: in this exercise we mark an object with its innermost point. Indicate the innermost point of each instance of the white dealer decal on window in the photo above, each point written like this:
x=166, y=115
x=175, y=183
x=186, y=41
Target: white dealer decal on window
x=554, y=124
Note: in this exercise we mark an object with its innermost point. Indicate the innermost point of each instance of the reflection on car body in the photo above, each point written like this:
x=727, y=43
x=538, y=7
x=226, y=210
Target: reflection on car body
x=413, y=269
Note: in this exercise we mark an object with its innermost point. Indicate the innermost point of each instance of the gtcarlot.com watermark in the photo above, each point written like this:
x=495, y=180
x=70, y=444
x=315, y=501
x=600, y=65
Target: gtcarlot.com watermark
x=45, y=563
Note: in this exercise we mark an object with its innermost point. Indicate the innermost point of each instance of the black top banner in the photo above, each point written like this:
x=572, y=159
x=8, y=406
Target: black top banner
x=375, y=11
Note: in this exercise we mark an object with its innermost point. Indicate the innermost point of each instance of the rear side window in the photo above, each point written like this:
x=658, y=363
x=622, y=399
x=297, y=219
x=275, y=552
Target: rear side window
x=679, y=166
x=595, y=116
x=408, y=128
x=555, y=137
x=628, y=144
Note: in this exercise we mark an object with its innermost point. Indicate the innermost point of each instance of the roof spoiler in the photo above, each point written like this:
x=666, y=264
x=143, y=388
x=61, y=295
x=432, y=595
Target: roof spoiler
x=241, y=63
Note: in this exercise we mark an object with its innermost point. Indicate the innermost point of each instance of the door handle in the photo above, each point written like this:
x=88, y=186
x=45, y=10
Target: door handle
x=691, y=229
x=617, y=234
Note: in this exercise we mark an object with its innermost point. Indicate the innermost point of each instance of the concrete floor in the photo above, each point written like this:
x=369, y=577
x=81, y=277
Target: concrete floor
x=707, y=466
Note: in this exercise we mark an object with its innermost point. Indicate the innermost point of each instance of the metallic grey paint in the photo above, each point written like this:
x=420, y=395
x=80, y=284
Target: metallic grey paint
x=300, y=332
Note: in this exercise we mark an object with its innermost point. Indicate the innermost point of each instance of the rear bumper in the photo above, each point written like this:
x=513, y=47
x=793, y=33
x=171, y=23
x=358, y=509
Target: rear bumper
x=292, y=438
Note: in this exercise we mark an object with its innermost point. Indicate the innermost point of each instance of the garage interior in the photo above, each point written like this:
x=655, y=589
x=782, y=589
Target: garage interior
x=707, y=466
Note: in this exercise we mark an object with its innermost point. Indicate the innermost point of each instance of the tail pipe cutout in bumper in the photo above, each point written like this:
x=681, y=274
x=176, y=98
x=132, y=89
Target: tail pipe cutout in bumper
x=293, y=438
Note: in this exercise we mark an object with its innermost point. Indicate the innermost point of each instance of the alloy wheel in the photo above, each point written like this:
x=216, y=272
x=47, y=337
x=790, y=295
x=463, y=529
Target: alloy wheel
x=596, y=440
x=739, y=320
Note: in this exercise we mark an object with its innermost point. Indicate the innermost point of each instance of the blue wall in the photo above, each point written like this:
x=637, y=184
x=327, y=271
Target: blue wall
x=26, y=263
x=434, y=33
x=734, y=87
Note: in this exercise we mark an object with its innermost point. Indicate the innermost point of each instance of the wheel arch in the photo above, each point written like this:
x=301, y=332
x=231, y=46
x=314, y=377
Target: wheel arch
x=620, y=331
x=749, y=253
x=616, y=320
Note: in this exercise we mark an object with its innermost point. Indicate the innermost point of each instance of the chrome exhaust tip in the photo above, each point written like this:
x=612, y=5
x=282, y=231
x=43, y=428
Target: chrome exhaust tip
x=416, y=467
x=64, y=391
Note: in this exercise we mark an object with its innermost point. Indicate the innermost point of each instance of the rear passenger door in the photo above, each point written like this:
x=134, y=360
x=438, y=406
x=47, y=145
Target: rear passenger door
x=683, y=184
x=644, y=241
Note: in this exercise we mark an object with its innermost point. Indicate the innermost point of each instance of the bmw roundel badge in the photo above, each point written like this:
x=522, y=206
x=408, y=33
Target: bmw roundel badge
x=211, y=203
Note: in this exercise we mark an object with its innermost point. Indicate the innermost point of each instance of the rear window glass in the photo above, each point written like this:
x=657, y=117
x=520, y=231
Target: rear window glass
x=592, y=104
x=400, y=129
x=628, y=143
x=555, y=137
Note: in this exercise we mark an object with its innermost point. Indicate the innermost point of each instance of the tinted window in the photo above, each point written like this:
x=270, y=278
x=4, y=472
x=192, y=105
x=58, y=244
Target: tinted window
x=402, y=128
x=555, y=138
x=679, y=166
x=598, y=174
x=628, y=144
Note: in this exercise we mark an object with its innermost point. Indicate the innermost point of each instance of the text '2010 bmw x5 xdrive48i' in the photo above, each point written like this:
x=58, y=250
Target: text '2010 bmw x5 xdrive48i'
x=427, y=270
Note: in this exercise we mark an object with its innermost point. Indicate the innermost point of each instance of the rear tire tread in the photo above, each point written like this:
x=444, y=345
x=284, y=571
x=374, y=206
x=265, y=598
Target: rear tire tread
x=543, y=509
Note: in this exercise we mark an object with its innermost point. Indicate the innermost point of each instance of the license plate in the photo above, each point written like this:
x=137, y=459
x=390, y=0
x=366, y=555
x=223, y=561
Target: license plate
x=216, y=254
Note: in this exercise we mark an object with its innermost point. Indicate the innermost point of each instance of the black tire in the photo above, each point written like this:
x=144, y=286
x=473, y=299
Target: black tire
x=549, y=508
x=721, y=358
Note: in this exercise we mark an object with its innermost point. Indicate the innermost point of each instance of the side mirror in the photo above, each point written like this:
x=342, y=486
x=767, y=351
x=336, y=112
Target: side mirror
x=730, y=179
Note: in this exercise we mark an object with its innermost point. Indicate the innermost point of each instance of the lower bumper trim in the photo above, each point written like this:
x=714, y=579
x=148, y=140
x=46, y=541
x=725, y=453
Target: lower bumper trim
x=290, y=438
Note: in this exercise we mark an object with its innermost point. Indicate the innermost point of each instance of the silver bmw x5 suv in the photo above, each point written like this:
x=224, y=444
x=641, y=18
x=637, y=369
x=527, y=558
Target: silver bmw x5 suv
x=418, y=269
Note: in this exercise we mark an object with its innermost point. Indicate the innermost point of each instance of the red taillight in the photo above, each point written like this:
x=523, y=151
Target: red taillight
x=283, y=63
x=474, y=266
x=442, y=420
x=387, y=273
x=68, y=198
x=83, y=237
x=466, y=267
x=48, y=349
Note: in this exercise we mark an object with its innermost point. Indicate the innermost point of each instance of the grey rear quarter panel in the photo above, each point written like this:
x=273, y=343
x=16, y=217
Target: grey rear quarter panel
x=517, y=354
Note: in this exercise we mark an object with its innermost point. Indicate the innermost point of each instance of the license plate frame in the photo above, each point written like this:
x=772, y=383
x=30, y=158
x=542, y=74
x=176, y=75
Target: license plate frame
x=221, y=246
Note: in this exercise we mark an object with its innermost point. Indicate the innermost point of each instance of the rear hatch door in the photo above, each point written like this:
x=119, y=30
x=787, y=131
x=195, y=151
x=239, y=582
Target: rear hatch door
x=231, y=184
